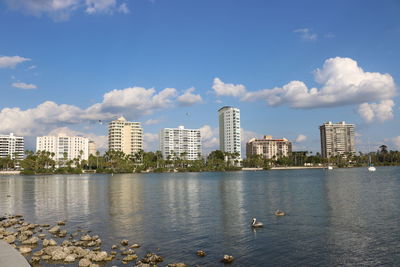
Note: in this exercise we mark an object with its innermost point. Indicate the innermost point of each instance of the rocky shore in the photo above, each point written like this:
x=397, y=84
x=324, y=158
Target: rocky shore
x=46, y=244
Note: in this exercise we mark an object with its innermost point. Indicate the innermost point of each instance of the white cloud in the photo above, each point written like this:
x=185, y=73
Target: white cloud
x=396, y=142
x=25, y=86
x=209, y=138
x=189, y=99
x=306, y=34
x=228, y=89
x=131, y=102
x=343, y=83
x=301, y=138
x=100, y=140
x=32, y=67
x=150, y=142
x=11, y=62
x=62, y=9
x=152, y=121
x=381, y=112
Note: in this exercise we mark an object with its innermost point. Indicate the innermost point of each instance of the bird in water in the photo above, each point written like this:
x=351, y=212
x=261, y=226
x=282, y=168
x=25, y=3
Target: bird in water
x=254, y=223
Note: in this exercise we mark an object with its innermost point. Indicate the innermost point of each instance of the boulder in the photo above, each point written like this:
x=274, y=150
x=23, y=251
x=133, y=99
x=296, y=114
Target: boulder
x=84, y=263
x=25, y=249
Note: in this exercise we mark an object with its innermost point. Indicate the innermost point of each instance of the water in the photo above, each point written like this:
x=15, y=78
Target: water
x=347, y=217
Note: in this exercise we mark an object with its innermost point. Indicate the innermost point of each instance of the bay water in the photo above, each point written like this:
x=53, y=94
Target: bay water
x=341, y=217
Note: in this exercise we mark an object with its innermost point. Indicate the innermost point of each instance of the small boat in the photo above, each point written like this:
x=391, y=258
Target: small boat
x=371, y=168
x=279, y=213
x=256, y=224
x=330, y=168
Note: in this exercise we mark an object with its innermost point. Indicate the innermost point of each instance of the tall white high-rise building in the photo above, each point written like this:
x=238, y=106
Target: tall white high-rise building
x=12, y=146
x=337, y=139
x=180, y=142
x=229, y=130
x=64, y=147
x=125, y=136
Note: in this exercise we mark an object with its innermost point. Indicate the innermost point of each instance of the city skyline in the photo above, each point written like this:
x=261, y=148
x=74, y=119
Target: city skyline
x=289, y=67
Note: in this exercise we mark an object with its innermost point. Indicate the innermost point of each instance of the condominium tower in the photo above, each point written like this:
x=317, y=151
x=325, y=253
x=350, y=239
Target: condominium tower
x=337, y=139
x=12, y=146
x=64, y=147
x=269, y=148
x=180, y=142
x=229, y=130
x=125, y=136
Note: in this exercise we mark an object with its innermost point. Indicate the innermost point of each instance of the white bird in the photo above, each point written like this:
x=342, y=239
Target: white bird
x=256, y=224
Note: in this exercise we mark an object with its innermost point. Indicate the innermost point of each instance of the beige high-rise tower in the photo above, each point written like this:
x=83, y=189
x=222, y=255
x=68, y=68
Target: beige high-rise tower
x=125, y=136
x=337, y=139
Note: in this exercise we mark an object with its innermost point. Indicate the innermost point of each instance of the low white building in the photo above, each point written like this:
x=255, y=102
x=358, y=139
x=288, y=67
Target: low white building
x=269, y=148
x=64, y=147
x=180, y=142
x=12, y=146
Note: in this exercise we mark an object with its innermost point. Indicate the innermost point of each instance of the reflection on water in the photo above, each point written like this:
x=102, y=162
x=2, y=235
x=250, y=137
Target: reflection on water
x=339, y=217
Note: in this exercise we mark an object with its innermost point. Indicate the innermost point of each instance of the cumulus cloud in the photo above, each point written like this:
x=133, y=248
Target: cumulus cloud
x=396, y=142
x=301, y=138
x=62, y=9
x=228, y=89
x=376, y=111
x=131, y=102
x=11, y=62
x=150, y=142
x=343, y=83
x=189, y=99
x=25, y=86
x=209, y=138
x=306, y=34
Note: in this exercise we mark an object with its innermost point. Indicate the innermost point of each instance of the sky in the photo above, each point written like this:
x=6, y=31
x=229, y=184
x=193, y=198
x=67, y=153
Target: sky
x=289, y=66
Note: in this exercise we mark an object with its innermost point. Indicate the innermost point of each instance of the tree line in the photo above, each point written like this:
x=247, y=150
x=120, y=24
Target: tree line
x=42, y=162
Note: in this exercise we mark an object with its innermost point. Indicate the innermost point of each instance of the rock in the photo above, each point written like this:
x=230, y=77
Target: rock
x=84, y=263
x=9, y=239
x=31, y=241
x=62, y=233
x=61, y=223
x=46, y=257
x=114, y=247
x=100, y=256
x=35, y=259
x=91, y=244
x=152, y=258
x=70, y=258
x=135, y=246
x=128, y=252
x=180, y=264
x=66, y=243
x=86, y=238
x=227, y=259
x=200, y=253
x=94, y=265
x=42, y=236
x=130, y=258
x=25, y=249
x=58, y=255
x=50, y=242
x=38, y=253
x=54, y=230
x=27, y=233
x=124, y=242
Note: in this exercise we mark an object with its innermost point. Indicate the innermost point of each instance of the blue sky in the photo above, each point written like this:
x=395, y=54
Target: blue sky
x=64, y=65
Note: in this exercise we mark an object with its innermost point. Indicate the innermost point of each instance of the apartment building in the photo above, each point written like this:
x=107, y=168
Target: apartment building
x=64, y=147
x=337, y=139
x=180, y=142
x=125, y=136
x=229, y=130
x=12, y=146
x=269, y=148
